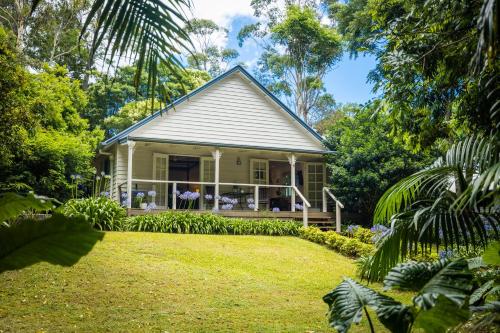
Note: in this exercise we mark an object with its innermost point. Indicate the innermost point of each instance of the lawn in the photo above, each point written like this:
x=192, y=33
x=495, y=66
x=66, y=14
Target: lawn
x=168, y=282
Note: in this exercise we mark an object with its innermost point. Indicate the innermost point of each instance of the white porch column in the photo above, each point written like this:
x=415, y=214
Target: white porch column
x=216, y=155
x=111, y=177
x=292, y=159
x=131, y=148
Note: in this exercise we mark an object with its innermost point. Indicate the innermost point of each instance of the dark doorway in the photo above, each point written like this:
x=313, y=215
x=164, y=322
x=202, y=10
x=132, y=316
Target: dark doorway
x=184, y=168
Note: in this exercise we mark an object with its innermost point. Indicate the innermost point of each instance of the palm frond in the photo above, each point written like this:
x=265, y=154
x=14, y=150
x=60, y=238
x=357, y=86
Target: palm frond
x=488, y=28
x=452, y=203
x=150, y=31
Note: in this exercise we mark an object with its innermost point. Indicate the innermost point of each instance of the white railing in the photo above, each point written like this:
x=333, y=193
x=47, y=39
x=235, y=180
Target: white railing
x=338, y=207
x=306, y=205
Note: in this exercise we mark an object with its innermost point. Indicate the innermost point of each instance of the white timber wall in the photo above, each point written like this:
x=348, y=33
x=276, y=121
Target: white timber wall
x=232, y=111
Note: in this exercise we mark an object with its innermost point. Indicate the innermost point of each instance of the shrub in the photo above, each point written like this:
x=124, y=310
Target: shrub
x=364, y=235
x=351, y=247
x=100, y=212
x=193, y=223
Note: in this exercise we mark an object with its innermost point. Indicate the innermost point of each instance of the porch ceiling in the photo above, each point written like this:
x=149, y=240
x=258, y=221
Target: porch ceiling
x=198, y=150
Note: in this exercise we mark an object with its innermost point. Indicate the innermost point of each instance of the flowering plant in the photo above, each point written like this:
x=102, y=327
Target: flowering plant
x=139, y=197
x=124, y=199
x=276, y=210
x=299, y=206
x=351, y=229
x=251, y=203
x=188, y=198
x=379, y=231
x=228, y=203
x=150, y=207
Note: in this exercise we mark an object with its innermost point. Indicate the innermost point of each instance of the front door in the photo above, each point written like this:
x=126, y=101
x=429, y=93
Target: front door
x=160, y=172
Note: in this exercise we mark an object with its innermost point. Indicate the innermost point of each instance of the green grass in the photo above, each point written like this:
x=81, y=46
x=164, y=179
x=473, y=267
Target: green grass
x=168, y=282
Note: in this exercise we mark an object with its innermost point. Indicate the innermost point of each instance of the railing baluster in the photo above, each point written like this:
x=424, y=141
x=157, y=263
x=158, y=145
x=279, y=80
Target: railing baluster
x=323, y=193
x=256, y=198
x=337, y=217
x=174, y=196
x=305, y=216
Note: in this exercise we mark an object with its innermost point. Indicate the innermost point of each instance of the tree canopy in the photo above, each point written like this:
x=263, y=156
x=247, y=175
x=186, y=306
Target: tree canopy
x=367, y=161
x=299, y=53
x=423, y=51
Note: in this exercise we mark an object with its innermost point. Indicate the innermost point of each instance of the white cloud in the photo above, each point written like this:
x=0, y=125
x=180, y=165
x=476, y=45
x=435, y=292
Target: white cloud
x=221, y=12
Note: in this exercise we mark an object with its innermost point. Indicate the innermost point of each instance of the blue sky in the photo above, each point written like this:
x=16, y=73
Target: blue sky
x=346, y=81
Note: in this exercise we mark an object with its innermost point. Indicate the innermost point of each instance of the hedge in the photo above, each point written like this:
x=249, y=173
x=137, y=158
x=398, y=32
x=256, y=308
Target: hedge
x=348, y=246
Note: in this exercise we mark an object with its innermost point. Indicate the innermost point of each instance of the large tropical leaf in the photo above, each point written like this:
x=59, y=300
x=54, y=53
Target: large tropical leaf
x=12, y=205
x=149, y=32
x=453, y=280
x=412, y=275
x=349, y=300
x=442, y=317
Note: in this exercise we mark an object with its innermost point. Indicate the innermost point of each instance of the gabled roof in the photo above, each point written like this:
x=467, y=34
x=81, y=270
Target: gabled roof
x=124, y=134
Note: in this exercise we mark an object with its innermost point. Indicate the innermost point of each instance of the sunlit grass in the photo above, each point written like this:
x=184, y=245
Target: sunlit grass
x=169, y=282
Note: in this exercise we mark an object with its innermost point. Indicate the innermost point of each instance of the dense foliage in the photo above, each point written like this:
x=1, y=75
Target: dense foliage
x=44, y=138
x=448, y=292
x=367, y=161
x=13, y=205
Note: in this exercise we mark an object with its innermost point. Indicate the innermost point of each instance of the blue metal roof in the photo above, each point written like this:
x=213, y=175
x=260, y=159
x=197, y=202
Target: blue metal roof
x=123, y=134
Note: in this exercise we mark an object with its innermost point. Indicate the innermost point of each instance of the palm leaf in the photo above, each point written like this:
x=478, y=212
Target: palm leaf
x=150, y=32
x=451, y=203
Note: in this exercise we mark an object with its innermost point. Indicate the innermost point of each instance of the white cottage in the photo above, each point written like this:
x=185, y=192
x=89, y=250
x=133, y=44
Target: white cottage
x=234, y=143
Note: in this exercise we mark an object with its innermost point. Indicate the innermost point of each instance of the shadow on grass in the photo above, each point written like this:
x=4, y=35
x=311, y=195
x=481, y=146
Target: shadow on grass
x=64, y=249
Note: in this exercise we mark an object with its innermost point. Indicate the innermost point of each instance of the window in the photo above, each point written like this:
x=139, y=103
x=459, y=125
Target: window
x=160, y=172
x=315, y=178
x=259, y=171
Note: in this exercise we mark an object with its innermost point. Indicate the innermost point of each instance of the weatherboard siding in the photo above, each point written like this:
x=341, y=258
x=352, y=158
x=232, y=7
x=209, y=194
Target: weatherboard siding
x=234, y=112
